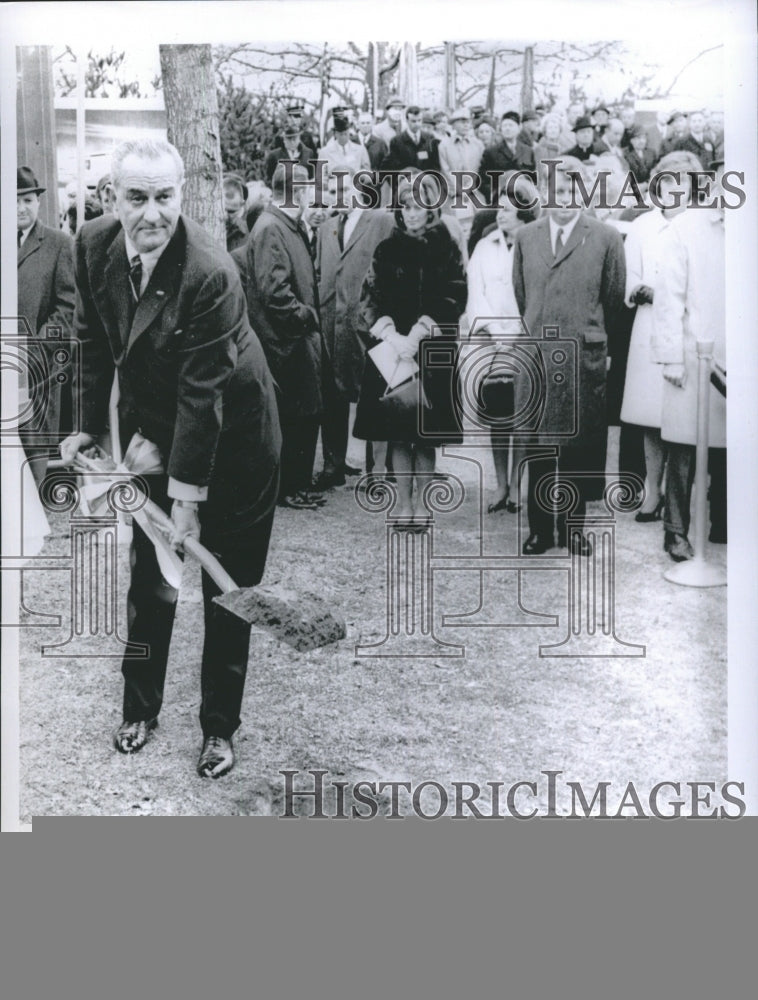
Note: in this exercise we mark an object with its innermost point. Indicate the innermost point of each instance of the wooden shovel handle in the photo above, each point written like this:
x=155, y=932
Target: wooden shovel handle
x=191, y=546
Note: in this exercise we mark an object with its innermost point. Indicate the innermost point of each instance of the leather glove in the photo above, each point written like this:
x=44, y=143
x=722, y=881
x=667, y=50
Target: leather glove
x=642, y=295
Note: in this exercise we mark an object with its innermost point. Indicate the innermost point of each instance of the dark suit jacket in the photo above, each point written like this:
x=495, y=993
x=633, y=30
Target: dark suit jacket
x=580, y=292
x=580, y=154
x=341, y=277
x=46, y=299
x=305, y=157
x=704, y=150
x=46, y=279
x=192, y=374
x=404, y=152
x=376, y=148
x=284, y=309
x=500, y=157
x=640, y=165
x=307, y=138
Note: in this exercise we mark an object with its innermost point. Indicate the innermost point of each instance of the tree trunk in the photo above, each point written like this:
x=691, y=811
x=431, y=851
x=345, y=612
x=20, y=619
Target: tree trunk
x=35, y=125
x=189, y=90
x=527, y=83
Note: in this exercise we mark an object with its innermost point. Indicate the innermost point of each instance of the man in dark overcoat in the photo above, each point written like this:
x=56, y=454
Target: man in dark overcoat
x=45, y=299
x=508, y=153
x=569, y=272
x=410, y=147
x=347, y=241
x=160, y=303
x=289, y=147
x=283, y=305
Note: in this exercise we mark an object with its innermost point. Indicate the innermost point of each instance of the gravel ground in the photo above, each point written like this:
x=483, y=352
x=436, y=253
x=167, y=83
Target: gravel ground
x=501, y=712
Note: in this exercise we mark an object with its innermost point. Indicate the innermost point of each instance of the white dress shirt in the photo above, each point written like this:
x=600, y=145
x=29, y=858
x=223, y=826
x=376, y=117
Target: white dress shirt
x=566, y=229
x=176, y=489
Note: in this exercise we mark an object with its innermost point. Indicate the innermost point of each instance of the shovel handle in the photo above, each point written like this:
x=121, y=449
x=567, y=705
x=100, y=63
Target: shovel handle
x=191, y=546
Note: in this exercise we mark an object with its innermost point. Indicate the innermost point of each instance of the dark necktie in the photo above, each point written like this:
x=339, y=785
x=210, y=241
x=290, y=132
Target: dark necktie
x=558, y=243
x=135, y=277
x=20, y=234
x=313, y=244
x=341, y=222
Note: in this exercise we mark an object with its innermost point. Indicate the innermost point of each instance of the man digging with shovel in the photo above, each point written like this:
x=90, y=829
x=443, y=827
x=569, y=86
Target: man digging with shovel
x=160, y=303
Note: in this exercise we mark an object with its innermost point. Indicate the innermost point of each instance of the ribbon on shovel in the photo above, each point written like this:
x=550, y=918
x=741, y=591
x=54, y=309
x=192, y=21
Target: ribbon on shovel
x=142, y=458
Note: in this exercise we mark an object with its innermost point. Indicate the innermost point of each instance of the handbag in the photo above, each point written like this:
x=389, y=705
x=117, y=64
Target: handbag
x=406, y=397
x=496, y=395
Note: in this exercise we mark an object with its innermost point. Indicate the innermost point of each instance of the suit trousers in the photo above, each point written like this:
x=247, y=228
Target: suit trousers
x=151, y=608
x=540, y=514
x=299, y=440
x=680, y=475
x=335, y=421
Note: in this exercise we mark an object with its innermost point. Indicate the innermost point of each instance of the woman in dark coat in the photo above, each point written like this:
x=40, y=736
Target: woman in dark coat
x=416, y=283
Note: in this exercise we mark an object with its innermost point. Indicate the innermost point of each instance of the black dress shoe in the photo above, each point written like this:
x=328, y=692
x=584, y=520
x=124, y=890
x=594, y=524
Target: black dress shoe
x=313, y=496
x=297, y=501
x=327, y=480
x=677, y=546
x=217, y=757
x=130, y=737
x=653, y=515
x=350, y=470
x=535, y=545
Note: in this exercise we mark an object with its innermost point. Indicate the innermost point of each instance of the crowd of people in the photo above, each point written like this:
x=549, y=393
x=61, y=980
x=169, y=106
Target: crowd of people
x=319, y=319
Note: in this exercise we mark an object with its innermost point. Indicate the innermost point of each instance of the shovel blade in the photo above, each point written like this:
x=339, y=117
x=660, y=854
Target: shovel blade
x=303, y=621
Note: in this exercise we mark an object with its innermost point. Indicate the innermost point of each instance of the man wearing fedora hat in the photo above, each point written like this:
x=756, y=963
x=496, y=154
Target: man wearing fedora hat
x=46, y=298
x=290, y=147
x=677, y=133
x=509, y=153
x=583, y=150
x=295, y=115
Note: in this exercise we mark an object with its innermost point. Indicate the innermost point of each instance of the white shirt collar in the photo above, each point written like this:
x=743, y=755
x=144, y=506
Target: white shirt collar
x=566, y=227
x=149, y=259
x=25, y=233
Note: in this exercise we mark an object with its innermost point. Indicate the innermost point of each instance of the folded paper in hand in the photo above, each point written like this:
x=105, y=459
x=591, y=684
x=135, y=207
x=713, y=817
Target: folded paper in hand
x=393, y=370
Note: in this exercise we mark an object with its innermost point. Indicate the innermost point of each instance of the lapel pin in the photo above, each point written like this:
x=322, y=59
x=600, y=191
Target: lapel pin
x=159, y=292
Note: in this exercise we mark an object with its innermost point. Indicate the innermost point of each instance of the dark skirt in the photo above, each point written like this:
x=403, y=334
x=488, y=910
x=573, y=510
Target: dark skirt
x=439, y=424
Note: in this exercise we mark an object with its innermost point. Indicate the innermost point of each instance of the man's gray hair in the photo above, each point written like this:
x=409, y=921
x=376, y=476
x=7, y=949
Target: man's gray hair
x=149, y=149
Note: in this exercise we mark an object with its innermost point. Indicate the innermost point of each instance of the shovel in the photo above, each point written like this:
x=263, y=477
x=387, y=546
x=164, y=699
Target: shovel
x=302, y=621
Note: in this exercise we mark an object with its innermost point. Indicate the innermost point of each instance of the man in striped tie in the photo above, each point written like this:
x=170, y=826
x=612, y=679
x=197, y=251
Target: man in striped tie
x=568, y=278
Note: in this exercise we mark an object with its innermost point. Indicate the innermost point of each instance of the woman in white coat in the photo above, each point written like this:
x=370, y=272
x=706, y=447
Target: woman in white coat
x=492, y=312
x=643, y=388
x=690, y=308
